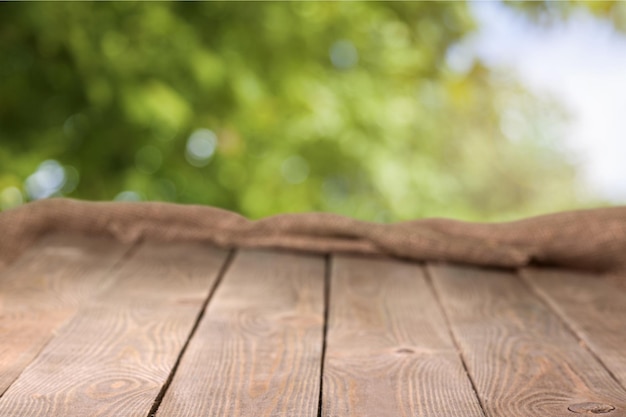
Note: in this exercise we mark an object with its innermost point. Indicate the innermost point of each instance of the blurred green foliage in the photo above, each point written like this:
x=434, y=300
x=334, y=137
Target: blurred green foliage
x=265, y=108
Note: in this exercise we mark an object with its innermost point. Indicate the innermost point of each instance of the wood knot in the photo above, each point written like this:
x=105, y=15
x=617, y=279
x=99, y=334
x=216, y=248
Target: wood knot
x=590, y=408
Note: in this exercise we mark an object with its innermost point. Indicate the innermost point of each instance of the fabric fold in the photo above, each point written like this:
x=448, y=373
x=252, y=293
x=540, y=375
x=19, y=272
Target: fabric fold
x=586, y=239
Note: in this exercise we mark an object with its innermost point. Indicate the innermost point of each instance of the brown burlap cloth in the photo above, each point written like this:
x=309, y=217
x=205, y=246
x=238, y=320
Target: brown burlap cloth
x=587, y=239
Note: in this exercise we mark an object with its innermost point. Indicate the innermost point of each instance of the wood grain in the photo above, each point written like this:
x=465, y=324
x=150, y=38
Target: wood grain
x=257, y=351
x=114, y=357
x=388, y=349
x=44, y=288
x=594, y=308
x=522, y=358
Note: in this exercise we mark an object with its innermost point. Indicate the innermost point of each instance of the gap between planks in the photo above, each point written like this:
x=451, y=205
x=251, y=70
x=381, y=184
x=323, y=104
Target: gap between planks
x=444, y=313
x=107, y=257
x=131, y=334
x=523, y=359
x=604, y=351
x=549, y=303
x=327, y=272
x=388, y=348
x=257, y=349
x=166, y=385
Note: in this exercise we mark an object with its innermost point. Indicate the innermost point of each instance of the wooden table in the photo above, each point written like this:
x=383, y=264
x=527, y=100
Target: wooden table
x=90, y=327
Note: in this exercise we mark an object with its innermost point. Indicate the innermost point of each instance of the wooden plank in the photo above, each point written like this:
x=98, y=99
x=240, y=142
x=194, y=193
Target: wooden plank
x=257, y=351
x=388, y=349
x=114, y=357
x=593, y=308
x=521, y=357
x=45, y=287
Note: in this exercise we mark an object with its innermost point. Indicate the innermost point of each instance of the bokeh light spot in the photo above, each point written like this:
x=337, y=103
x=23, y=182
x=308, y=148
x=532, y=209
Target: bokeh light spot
x=200, y=147
x=46, y=181
x=295, y=169
x=343, y=54
x=128, y=196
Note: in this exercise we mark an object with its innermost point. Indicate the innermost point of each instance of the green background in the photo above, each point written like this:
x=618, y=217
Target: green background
x=267, y=108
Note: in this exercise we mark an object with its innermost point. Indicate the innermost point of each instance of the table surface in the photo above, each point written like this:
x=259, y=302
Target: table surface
x=91, y=327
